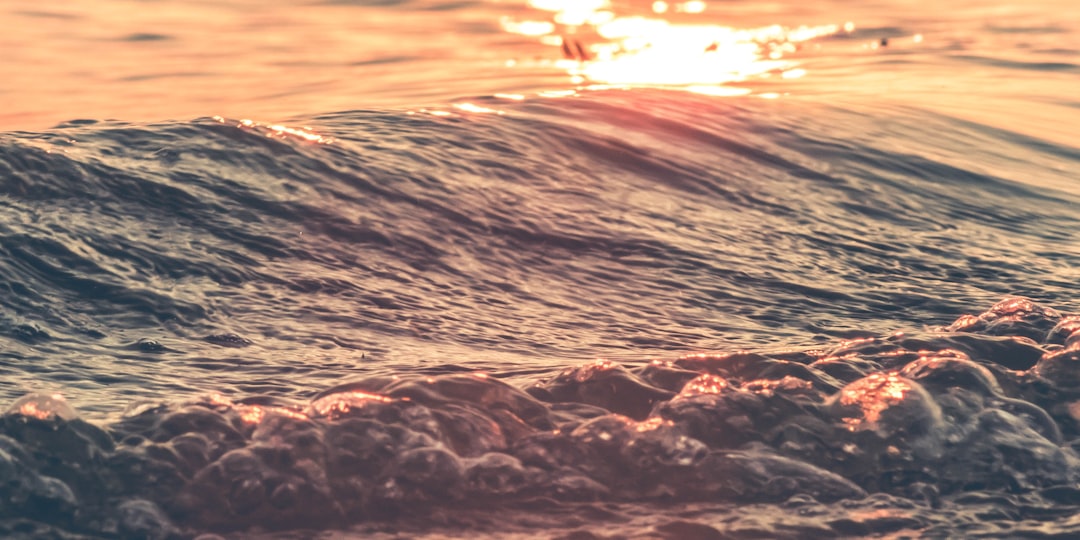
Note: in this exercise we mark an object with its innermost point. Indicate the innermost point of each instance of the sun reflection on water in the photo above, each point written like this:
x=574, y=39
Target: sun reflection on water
x=342, y=402
x=42, y=407
x=602, y=47
x=278, y=131
x=255, y=414
x=704, y=384
x=872, y=396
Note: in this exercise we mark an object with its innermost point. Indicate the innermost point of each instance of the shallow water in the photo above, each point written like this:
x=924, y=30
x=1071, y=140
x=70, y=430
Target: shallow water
x=458, y=208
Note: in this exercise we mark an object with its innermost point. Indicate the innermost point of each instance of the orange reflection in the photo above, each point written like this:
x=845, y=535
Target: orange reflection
x=343, y=402
x=790, y=385
x=1069, y=327
x=651, y=424
x=873, y=395
x=720, y=91
x=278, y=131
x=1014, y=309
x=645, y=50
x=704, y=384
x=588, y=371
x=473, y=108
x=43, y=407
x=527, y=28
x=254, y=414
x=573, y=12
x=32, y=409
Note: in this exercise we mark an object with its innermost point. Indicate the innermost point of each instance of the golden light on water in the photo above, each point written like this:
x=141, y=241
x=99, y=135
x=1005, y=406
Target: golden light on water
x=588, y=371
x=651, y=424
x=872, y=396
x=704, y=384
x=602, y=47
x=42, y=407
x=574, y=12
x=255, y=414
x=473, y=108
x=343, y=402
x=277, y=131
x=528, y=28
x=32, y=410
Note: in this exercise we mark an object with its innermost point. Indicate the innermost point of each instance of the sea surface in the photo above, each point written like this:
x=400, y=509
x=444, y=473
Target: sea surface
x=539, y=269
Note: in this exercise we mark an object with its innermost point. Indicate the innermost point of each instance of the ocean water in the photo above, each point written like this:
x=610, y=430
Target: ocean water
x=545, y=269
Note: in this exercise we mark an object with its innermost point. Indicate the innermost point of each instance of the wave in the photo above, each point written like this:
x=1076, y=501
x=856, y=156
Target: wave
x=735, y=207
x=214, y=276
x=919, y=420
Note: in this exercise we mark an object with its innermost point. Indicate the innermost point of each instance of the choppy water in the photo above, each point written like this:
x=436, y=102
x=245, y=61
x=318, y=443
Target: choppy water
x=449, y=280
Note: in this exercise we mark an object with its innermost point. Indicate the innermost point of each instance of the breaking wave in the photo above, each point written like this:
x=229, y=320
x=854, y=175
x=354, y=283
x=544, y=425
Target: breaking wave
x=389, y=321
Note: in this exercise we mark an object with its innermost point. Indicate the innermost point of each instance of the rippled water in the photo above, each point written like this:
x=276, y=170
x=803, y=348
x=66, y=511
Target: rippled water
x=675, y=270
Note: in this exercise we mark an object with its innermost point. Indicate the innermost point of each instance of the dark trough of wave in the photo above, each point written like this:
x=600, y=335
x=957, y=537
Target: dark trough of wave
x=877, y=435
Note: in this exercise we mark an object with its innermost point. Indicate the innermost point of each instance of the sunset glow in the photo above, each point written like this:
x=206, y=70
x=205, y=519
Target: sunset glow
x=32, y=409
x=872, y=396
x=343, y=402
x=254, y=414
x=42, y=407
x=651, y=424
x=278, y=131
x=601, y=46
x=473, y=108
x=705, y=384
x=588, y=371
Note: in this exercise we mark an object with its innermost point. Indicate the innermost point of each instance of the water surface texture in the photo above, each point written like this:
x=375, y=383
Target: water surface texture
x=548, y=269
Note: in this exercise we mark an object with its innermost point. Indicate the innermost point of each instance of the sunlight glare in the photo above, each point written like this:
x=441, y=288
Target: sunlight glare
x=601, y=47
x=527, y=28
x=873, y=395
x=695, y=6
x=277, y=131
x=473, y=108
